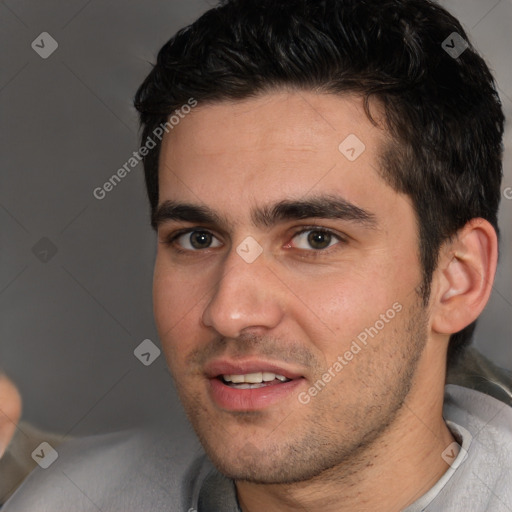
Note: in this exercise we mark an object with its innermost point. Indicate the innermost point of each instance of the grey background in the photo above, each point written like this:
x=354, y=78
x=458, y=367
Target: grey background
x=69, y=325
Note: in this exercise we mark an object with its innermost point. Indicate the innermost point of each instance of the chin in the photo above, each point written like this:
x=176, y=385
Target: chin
x=267, y=465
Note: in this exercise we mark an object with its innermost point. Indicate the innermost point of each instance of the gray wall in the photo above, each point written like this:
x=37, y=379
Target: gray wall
x=75, y=271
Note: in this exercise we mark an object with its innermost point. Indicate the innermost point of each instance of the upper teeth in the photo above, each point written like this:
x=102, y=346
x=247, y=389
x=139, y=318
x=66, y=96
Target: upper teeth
x=253, y=378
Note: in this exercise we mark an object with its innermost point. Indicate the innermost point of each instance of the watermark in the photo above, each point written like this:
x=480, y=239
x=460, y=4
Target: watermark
x=450, y=455
x=507, y=193
x=147, y=352
x=249, y=249
x=358, y=343
x=352, y=147
x=454, y=45
x=137, y=156
x=45, y=455
x=44, y=45
x=44, y=250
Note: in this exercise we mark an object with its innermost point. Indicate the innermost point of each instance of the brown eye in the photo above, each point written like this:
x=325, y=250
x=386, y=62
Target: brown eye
x=197, y=240
x=319, y=239
x=200, y=239
x=315, y=239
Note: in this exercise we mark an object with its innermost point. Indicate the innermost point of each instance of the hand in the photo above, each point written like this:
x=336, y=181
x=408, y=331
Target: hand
x=10, y=412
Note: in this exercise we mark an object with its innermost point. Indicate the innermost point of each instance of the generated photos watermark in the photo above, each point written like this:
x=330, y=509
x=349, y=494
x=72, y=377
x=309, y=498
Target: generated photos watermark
x=137, y=156
x=358, y=343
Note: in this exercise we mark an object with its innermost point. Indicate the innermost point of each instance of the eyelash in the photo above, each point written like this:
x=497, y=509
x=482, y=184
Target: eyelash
x=312, y=253
x=170, y=240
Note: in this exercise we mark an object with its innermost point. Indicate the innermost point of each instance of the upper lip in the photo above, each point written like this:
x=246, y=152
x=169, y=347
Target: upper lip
x=220, y=367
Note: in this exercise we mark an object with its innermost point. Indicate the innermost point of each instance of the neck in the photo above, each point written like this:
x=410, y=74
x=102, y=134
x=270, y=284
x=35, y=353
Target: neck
x=399, y=467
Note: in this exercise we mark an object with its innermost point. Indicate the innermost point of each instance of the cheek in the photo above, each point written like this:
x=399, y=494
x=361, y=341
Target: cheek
x=336, y=308
x=340, y=295
x=176, y=305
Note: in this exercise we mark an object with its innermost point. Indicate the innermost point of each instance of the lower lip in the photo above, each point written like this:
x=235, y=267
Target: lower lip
x=233, y=399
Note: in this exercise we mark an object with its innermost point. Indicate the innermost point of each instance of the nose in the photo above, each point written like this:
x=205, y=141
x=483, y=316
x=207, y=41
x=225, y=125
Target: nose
x=246, y=297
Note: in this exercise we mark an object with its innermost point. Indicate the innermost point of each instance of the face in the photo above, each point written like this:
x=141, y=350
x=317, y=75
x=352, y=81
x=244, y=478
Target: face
x=285, y=284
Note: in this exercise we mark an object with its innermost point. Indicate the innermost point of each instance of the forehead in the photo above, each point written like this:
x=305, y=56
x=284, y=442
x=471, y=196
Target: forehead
x=281, y=144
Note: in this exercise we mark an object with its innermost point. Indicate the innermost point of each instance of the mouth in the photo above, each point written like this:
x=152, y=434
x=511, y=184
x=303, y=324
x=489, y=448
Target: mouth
x=250, y=385
x=253, y=380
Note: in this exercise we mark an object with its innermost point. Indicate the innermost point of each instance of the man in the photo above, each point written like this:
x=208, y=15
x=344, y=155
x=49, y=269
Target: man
x=324, y=179
x=328, y=215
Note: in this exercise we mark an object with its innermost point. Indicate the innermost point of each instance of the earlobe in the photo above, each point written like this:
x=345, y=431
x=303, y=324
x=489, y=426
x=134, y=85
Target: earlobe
x=464, y=276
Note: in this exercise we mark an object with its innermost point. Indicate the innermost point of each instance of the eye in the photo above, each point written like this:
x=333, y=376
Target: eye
x=316, y=239
x=197, y=240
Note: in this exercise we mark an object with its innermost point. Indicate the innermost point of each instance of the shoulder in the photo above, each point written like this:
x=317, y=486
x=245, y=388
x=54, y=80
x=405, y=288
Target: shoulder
x=482, y=415
x=488, y=421
x=482, y=482
x=139, y=469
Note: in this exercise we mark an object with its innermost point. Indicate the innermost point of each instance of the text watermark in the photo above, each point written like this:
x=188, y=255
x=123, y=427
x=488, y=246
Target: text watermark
x=137, y=156
x=358, y=343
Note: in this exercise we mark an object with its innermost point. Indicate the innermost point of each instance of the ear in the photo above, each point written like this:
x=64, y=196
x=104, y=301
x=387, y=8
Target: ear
x=462, y=282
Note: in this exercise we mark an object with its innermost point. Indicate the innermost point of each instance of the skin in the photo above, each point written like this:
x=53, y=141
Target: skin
x=379, y=420
x=10, y=411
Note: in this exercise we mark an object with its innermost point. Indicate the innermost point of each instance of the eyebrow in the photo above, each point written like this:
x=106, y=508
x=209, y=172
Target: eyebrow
x=171, y=210
x=325, y=207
